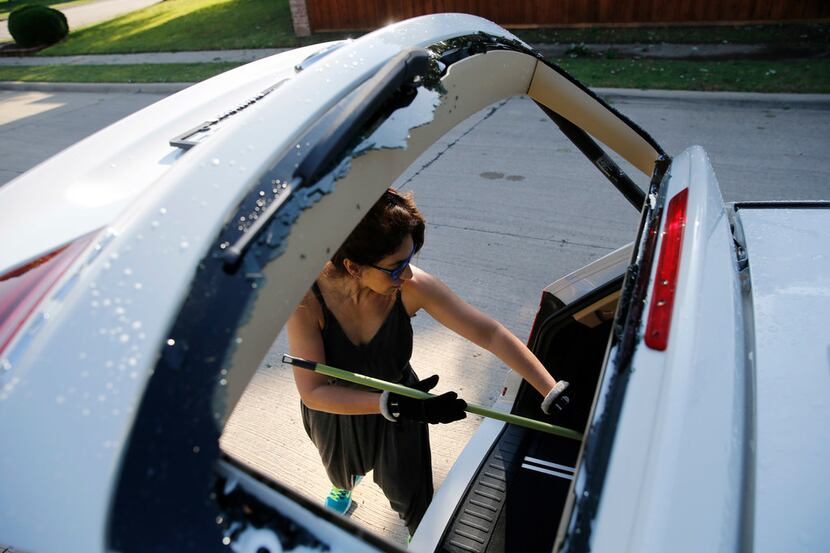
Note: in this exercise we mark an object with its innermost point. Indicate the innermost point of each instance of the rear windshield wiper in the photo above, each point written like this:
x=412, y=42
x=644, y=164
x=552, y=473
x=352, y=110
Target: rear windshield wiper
x=396, y=75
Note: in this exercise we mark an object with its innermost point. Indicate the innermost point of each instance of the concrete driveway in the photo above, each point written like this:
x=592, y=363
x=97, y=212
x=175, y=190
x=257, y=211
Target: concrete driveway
x=511, y=206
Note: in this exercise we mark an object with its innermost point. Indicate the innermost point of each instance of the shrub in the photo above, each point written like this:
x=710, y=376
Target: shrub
x=34, y=25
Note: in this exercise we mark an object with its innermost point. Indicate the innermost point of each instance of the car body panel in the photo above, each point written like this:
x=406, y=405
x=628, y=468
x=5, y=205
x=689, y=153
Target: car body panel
x=573, y=286
x=90, y=184
x=789, y=264
x=683, y=420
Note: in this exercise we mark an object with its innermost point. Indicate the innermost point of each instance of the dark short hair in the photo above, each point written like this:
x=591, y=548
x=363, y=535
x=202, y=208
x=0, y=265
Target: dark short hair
x=382, y=230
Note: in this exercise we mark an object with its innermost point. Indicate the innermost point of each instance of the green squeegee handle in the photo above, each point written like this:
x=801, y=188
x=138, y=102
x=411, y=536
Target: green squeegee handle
x=417, y=394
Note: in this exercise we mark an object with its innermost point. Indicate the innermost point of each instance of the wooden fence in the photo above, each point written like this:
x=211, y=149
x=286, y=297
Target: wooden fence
x=329, y=15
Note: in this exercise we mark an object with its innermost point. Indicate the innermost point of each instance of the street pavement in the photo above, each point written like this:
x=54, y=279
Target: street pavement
x=511, y=206
x=88, y=14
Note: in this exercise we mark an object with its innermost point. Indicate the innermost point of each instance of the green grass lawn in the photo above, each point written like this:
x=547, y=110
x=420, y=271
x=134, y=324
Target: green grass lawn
x=731, y=75
x=744, y=75
x=788, y=34
x=144, y=73
x=180, y=25
x=8, y=5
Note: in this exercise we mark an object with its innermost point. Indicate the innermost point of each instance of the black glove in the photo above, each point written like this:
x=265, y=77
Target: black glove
x=557, y=399
x=441, y=409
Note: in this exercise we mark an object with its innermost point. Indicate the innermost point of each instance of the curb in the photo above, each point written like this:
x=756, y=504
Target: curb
x=743, y=98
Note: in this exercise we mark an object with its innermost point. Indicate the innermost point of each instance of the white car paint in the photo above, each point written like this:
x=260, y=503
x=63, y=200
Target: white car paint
x=573, y=286
x=682, y=422
x=789, y=261
x=92, y=183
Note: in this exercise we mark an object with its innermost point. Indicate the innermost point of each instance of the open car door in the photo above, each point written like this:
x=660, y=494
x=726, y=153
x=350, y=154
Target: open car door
x=341, y=145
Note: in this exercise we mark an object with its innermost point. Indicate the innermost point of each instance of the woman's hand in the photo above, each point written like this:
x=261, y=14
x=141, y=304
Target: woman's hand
x=557, y=399
x=440, y=409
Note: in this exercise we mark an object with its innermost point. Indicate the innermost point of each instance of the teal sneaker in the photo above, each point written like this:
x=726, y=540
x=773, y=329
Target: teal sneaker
x=339, y=500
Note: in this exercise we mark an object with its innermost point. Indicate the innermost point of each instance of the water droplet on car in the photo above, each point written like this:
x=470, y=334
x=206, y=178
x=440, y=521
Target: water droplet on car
x=215, y=161
x=60, y=400
x=184, y=245
x=154, y=224
x=171, y=342
x=124, y=338
x=138, y=286
x=136, y=325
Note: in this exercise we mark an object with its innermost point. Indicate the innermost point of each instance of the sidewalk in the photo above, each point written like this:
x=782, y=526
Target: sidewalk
x=87, y=14
x=205, y=56
x=647, y=51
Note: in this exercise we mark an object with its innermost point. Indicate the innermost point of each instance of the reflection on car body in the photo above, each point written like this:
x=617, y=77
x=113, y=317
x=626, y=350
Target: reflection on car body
x=673, y=432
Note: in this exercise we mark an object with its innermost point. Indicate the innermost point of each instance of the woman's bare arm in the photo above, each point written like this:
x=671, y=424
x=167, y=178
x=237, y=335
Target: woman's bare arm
x=305, y=340
x=428, y=292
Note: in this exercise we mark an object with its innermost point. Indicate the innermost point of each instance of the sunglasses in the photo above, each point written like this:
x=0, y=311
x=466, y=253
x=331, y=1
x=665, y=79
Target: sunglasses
x=395, y=273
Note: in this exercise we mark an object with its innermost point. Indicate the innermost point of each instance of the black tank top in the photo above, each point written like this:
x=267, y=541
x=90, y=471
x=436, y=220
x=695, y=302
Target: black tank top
x=385, y=356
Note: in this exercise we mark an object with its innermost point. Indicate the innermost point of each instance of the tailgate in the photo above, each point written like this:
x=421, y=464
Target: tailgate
x=788, y=250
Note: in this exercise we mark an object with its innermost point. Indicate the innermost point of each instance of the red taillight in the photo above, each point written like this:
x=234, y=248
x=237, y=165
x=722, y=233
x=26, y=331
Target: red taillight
x=22, y=289
x=665, y=281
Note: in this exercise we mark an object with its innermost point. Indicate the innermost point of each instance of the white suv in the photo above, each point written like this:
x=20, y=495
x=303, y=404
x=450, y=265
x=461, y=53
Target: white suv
x=698, y=355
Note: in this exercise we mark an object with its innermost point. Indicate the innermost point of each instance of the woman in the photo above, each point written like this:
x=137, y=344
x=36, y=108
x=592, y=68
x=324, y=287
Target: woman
x=357, y=317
